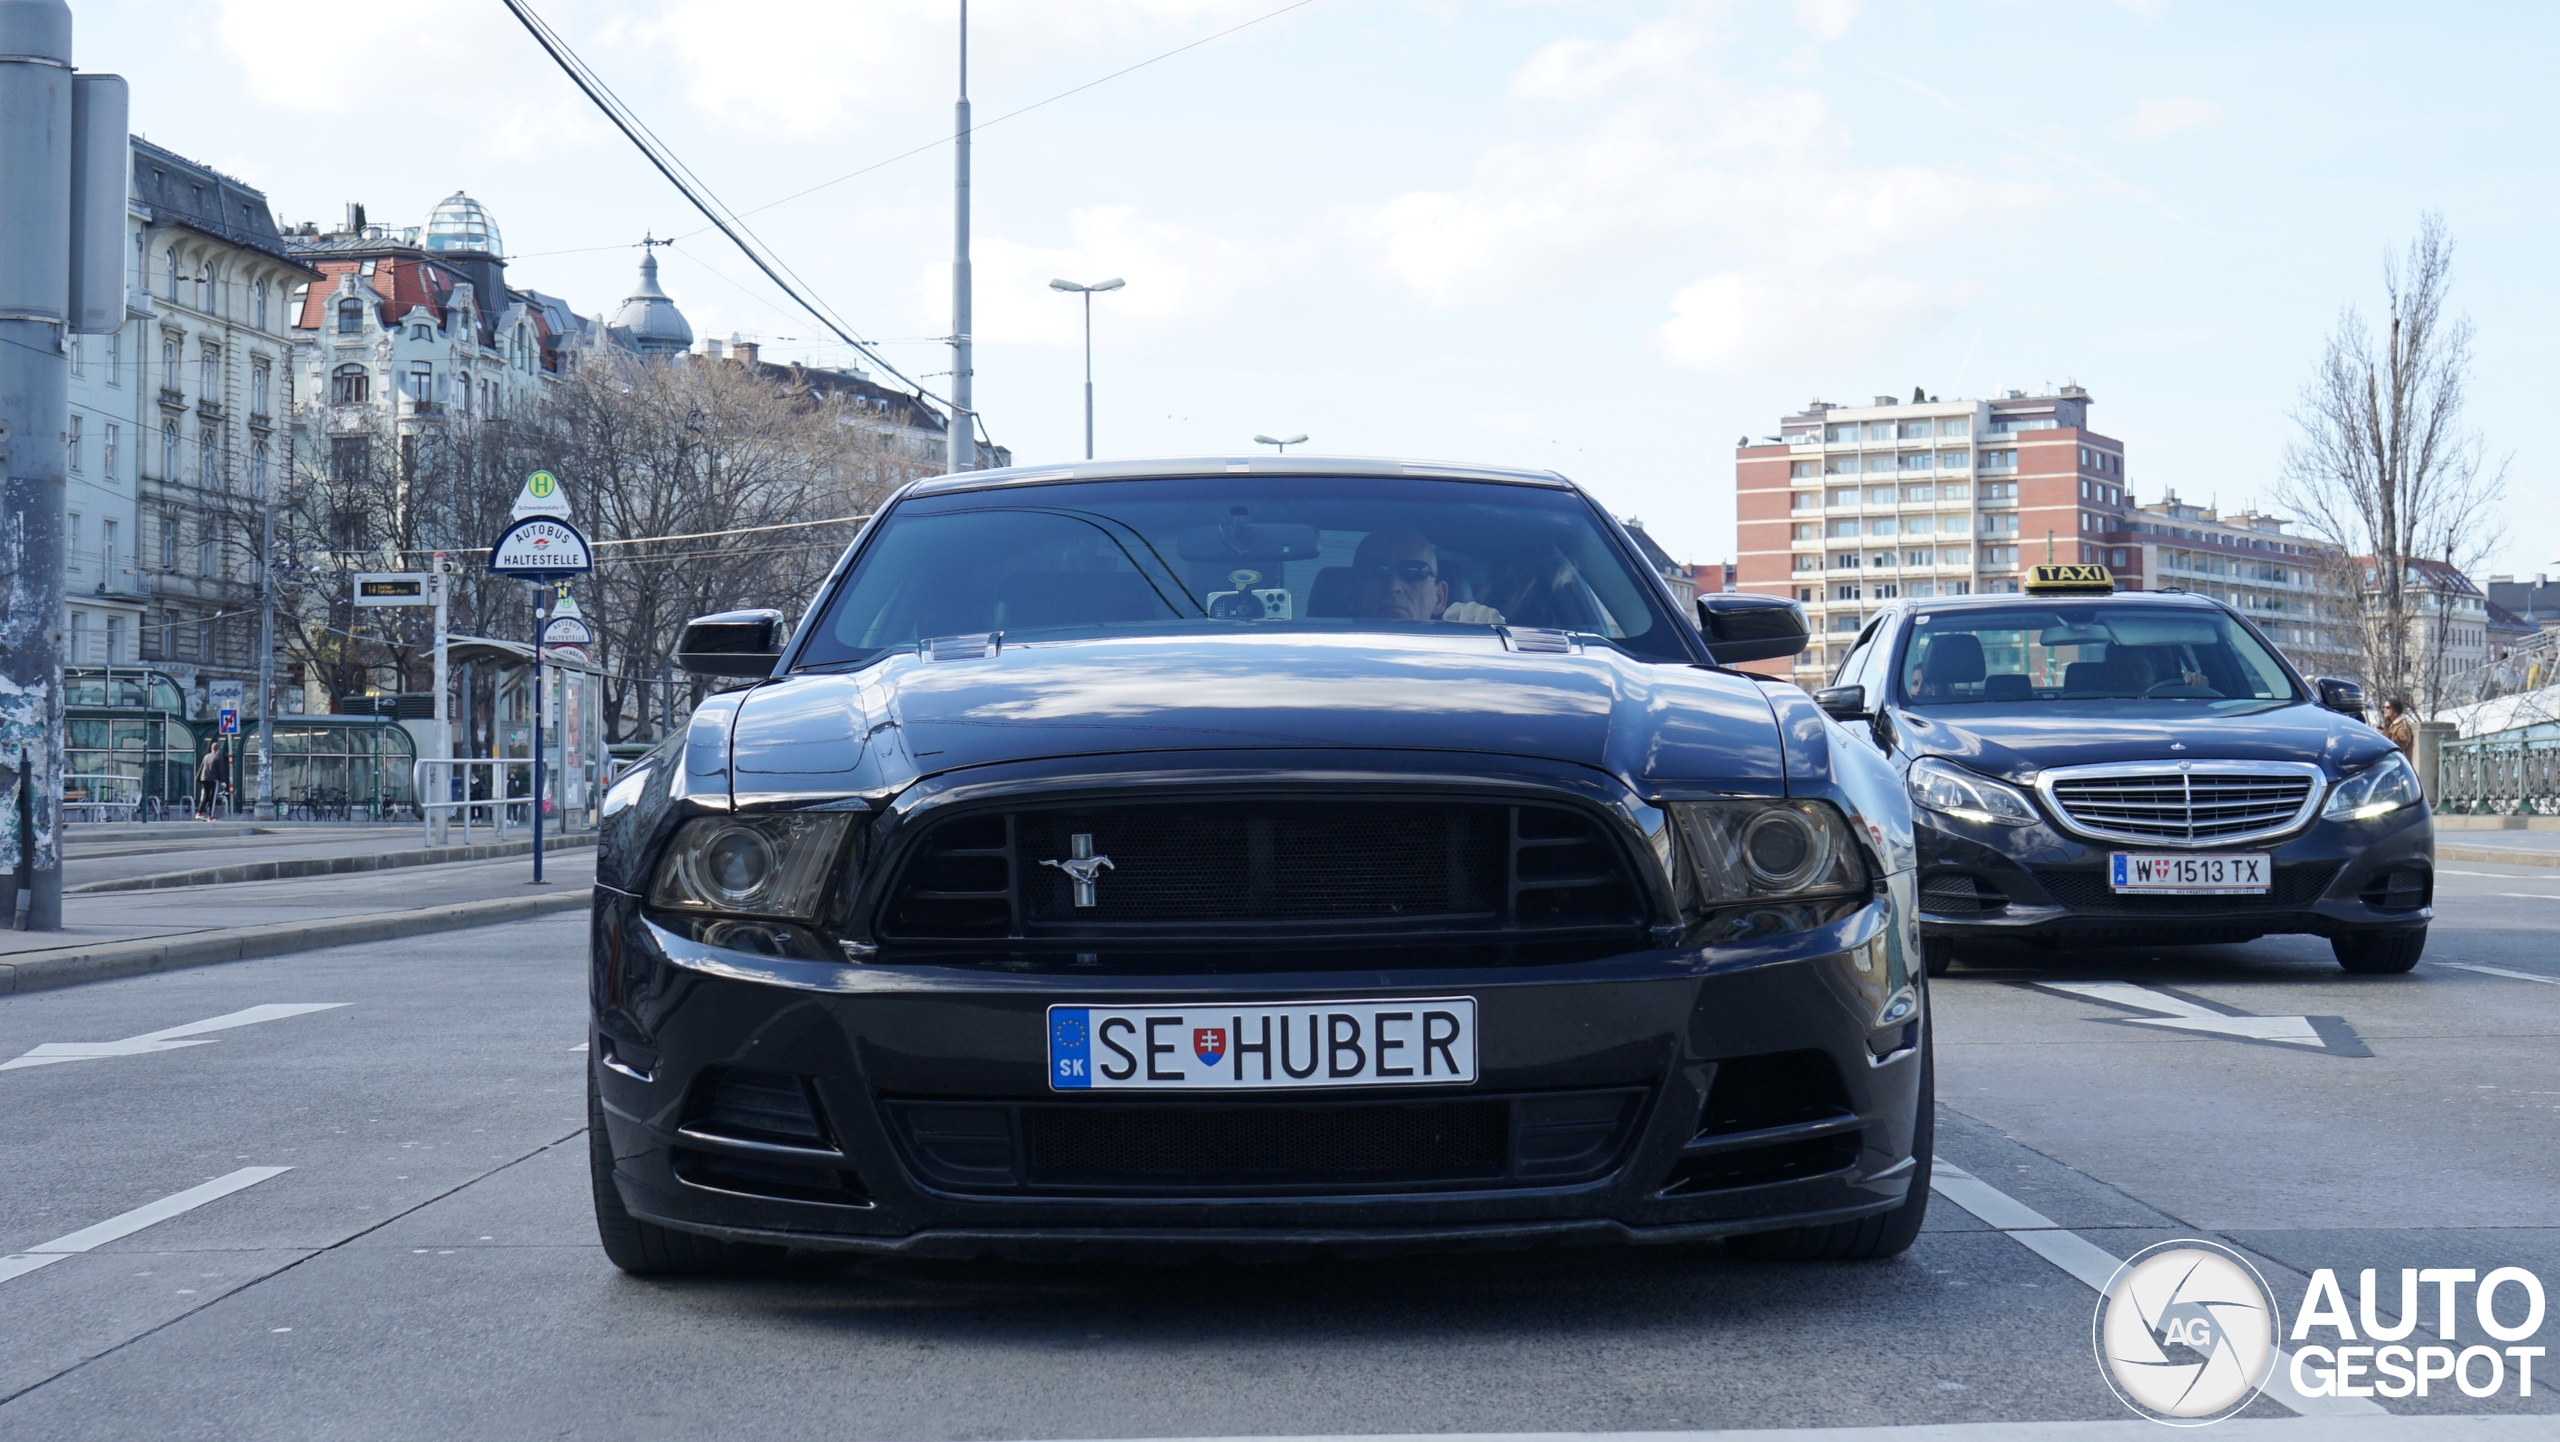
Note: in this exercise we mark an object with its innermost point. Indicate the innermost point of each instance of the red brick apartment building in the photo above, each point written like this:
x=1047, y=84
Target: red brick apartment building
x=1851, y=506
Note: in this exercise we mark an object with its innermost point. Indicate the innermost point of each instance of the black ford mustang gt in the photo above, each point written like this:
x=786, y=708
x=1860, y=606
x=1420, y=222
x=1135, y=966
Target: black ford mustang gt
x=1254, y=857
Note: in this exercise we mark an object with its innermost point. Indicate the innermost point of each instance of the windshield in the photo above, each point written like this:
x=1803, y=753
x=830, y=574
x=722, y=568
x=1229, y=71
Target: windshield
x=2089, y=650
x=1217, y=554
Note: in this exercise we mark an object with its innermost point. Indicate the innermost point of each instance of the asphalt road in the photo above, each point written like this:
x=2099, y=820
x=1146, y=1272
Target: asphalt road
x=427, y=1266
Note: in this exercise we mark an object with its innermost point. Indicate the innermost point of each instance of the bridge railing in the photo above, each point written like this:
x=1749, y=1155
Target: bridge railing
x=2499, y=776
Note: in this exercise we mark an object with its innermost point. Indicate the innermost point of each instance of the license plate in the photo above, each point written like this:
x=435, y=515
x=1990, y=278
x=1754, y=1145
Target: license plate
x=1425, y=1041
x=2181, y=873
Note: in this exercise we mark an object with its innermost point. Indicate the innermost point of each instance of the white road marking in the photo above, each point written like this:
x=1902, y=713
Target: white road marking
x=2096, y=1266
x=45, y=1254
x=167, y=1039
x=2497, y=971
x=2489, y=875
x=2179, y=1014
x=582, y=1046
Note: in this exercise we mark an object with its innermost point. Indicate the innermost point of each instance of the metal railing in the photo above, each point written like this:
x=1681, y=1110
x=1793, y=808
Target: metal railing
x=2499, y=776
x=82, y=798
x=496, y=809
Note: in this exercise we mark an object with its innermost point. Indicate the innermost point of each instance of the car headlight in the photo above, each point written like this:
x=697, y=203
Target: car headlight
x=1957, y=792
x=772, y=865
x=2387, y=785
x=1748, y=851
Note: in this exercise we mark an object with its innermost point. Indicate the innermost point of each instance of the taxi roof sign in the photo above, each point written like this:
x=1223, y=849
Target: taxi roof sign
x=2087, y=580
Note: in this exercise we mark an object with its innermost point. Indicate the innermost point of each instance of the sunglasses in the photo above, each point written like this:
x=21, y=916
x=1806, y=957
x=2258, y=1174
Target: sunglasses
x=1405, y=570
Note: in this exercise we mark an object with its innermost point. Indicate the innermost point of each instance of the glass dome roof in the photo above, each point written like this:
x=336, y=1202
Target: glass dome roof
x=459, y=223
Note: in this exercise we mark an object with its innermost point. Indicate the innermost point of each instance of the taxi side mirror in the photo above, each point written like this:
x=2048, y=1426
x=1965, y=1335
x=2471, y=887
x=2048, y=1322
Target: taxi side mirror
x=1743, y=626
x=1843, y=703
x=732, y=643
x=2342, y=696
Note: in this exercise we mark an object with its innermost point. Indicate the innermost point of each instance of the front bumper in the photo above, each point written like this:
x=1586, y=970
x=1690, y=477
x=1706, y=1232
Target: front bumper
x=898, y=1061
x=2036, y=883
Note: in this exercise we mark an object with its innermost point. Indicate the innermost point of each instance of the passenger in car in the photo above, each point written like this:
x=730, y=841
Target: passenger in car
x=1395, y=576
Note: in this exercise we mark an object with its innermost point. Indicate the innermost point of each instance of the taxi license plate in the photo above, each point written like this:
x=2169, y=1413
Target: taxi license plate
x=1409, y=1041
x=2181, y=873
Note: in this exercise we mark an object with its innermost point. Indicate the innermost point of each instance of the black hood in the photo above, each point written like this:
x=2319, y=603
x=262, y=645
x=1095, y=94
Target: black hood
x=2015, y=742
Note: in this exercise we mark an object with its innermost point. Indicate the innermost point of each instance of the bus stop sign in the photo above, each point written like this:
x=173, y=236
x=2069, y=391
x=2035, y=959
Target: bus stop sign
x=539, y=548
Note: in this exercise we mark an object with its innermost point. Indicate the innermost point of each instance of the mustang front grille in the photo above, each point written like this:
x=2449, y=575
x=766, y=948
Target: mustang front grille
x=2173, y=807
x=1135, y=870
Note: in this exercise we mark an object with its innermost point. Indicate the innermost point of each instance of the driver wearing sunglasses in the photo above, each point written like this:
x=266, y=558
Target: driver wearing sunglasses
x=1395, y=576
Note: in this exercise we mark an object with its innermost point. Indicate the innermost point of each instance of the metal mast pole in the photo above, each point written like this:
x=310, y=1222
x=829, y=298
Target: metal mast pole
x=964, y=415
x=266, y=807
x=1088, y=374
x=541, y=624
x=35, y=269
x=443, y=742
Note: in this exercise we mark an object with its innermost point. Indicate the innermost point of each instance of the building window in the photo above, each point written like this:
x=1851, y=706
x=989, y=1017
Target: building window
x=168, y=547
x=1844, y=623
x=1915, y=493
x=259, y=376
x=1914, y=430
x=1840, y=466
x=1844, y=593
x=1955, y=556
x=258, y=304
x=1880, y=526
x=1879, y=430
x=1959, y=588
x=173, y=275
x=1798, y=470
x=1915, y=558
x=107, y=452
x=1888, y=591
x=1955, y=425
x=1843, y=527
x=1805, y=501
x=209, y=387
x=79, y=638
x=115, y=358
x=2005, y=524
x=1880, y=463
x=168, y=450
x=1803, y=531
x=71, y=441
x=1837, y=434
x=1999, y=490
x=1999, y=555
x=204, y=549
x=1843, y=561
x=1806, y=594
x=206, y=470
x=1808, y=563
x=107, y=544
x=1957, y=492
x=422, y=383
x=349, y=385
x=258, y=468
x=1880, y=496
x=351, y=317
x=1918, y=461
x=79, y=355
x=1999, y=460
x=169, y=362
x=1881, y=560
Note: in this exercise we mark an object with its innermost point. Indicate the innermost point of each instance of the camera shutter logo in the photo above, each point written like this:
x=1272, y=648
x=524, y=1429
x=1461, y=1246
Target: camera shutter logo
x=2186, y=1332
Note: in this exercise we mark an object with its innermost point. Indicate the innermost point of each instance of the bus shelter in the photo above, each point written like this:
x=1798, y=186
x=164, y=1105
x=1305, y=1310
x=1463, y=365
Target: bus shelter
x=129, y=751
x=331, y=768
x=491, y=778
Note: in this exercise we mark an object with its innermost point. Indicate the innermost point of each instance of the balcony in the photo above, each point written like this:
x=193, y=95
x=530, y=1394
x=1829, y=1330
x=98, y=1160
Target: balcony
x=210, y=410
x=261, y=421
x=173, y=398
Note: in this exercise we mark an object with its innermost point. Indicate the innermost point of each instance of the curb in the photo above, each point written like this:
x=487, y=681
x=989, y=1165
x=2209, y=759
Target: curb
x=288, y=868
x=2490, y=853
x=247, y=943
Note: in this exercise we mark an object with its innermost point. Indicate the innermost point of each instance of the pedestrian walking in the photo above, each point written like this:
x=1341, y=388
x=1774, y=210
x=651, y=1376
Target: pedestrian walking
x=2397, y=726
x=212, y=777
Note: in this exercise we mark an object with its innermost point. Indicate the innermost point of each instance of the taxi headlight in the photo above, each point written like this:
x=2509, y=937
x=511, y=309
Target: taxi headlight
x=2385, y=786
x=1957, y=792
x=774, y=865
x=1747, y=851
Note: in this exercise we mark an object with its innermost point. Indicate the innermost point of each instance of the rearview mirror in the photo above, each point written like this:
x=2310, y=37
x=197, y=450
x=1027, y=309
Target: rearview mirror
x=732, y=643
x=1843, y=703
x=1740, y=626
x=2342, y=696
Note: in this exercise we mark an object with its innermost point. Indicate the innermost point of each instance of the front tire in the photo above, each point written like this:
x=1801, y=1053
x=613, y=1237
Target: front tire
x=2379, y=954
x=1938, y=954
x=645, y=1249
x=1887, y=1234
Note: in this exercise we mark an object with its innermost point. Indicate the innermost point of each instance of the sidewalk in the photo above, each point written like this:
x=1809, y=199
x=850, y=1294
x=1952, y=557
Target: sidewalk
x=93, y=863
x=124, y=933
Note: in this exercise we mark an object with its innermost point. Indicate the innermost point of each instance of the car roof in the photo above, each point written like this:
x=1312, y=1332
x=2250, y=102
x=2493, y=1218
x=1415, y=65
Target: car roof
x=1180, y=467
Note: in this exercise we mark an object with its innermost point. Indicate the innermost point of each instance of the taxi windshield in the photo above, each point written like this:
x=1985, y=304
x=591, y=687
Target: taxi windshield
x=2086, y=651
x=1220, y=553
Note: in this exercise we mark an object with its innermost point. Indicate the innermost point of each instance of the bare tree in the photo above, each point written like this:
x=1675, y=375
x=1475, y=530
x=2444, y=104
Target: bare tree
x=2385, y=473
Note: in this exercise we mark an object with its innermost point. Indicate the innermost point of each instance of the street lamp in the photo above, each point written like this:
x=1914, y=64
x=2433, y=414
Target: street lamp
x=1279, y=444
x=1087, y=292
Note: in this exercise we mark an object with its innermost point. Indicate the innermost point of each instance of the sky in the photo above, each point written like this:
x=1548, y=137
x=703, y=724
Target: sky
x=1606, y=238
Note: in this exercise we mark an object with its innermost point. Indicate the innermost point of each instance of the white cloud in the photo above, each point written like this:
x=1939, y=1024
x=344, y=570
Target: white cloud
x=1739, y=323
x=2164, y=116
x=1826, y=19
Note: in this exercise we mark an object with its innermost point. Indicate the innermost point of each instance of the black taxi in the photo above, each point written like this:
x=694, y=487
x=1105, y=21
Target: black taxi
x=2091, y=767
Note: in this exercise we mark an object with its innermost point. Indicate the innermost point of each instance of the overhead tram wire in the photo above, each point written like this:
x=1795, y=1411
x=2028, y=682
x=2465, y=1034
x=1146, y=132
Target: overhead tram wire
x=974, y=128
x=681, y=176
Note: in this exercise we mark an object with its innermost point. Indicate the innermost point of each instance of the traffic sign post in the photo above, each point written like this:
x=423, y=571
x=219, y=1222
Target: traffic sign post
x=542, y=546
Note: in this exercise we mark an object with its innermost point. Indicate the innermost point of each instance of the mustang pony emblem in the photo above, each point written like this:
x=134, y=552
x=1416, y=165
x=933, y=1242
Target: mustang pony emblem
x=1084, y=868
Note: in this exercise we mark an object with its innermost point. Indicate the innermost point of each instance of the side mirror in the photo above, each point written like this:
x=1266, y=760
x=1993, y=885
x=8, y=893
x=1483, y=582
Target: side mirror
x=2344, y=697
x=1843, y=703
x=1740, y=626
x=732, y=643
